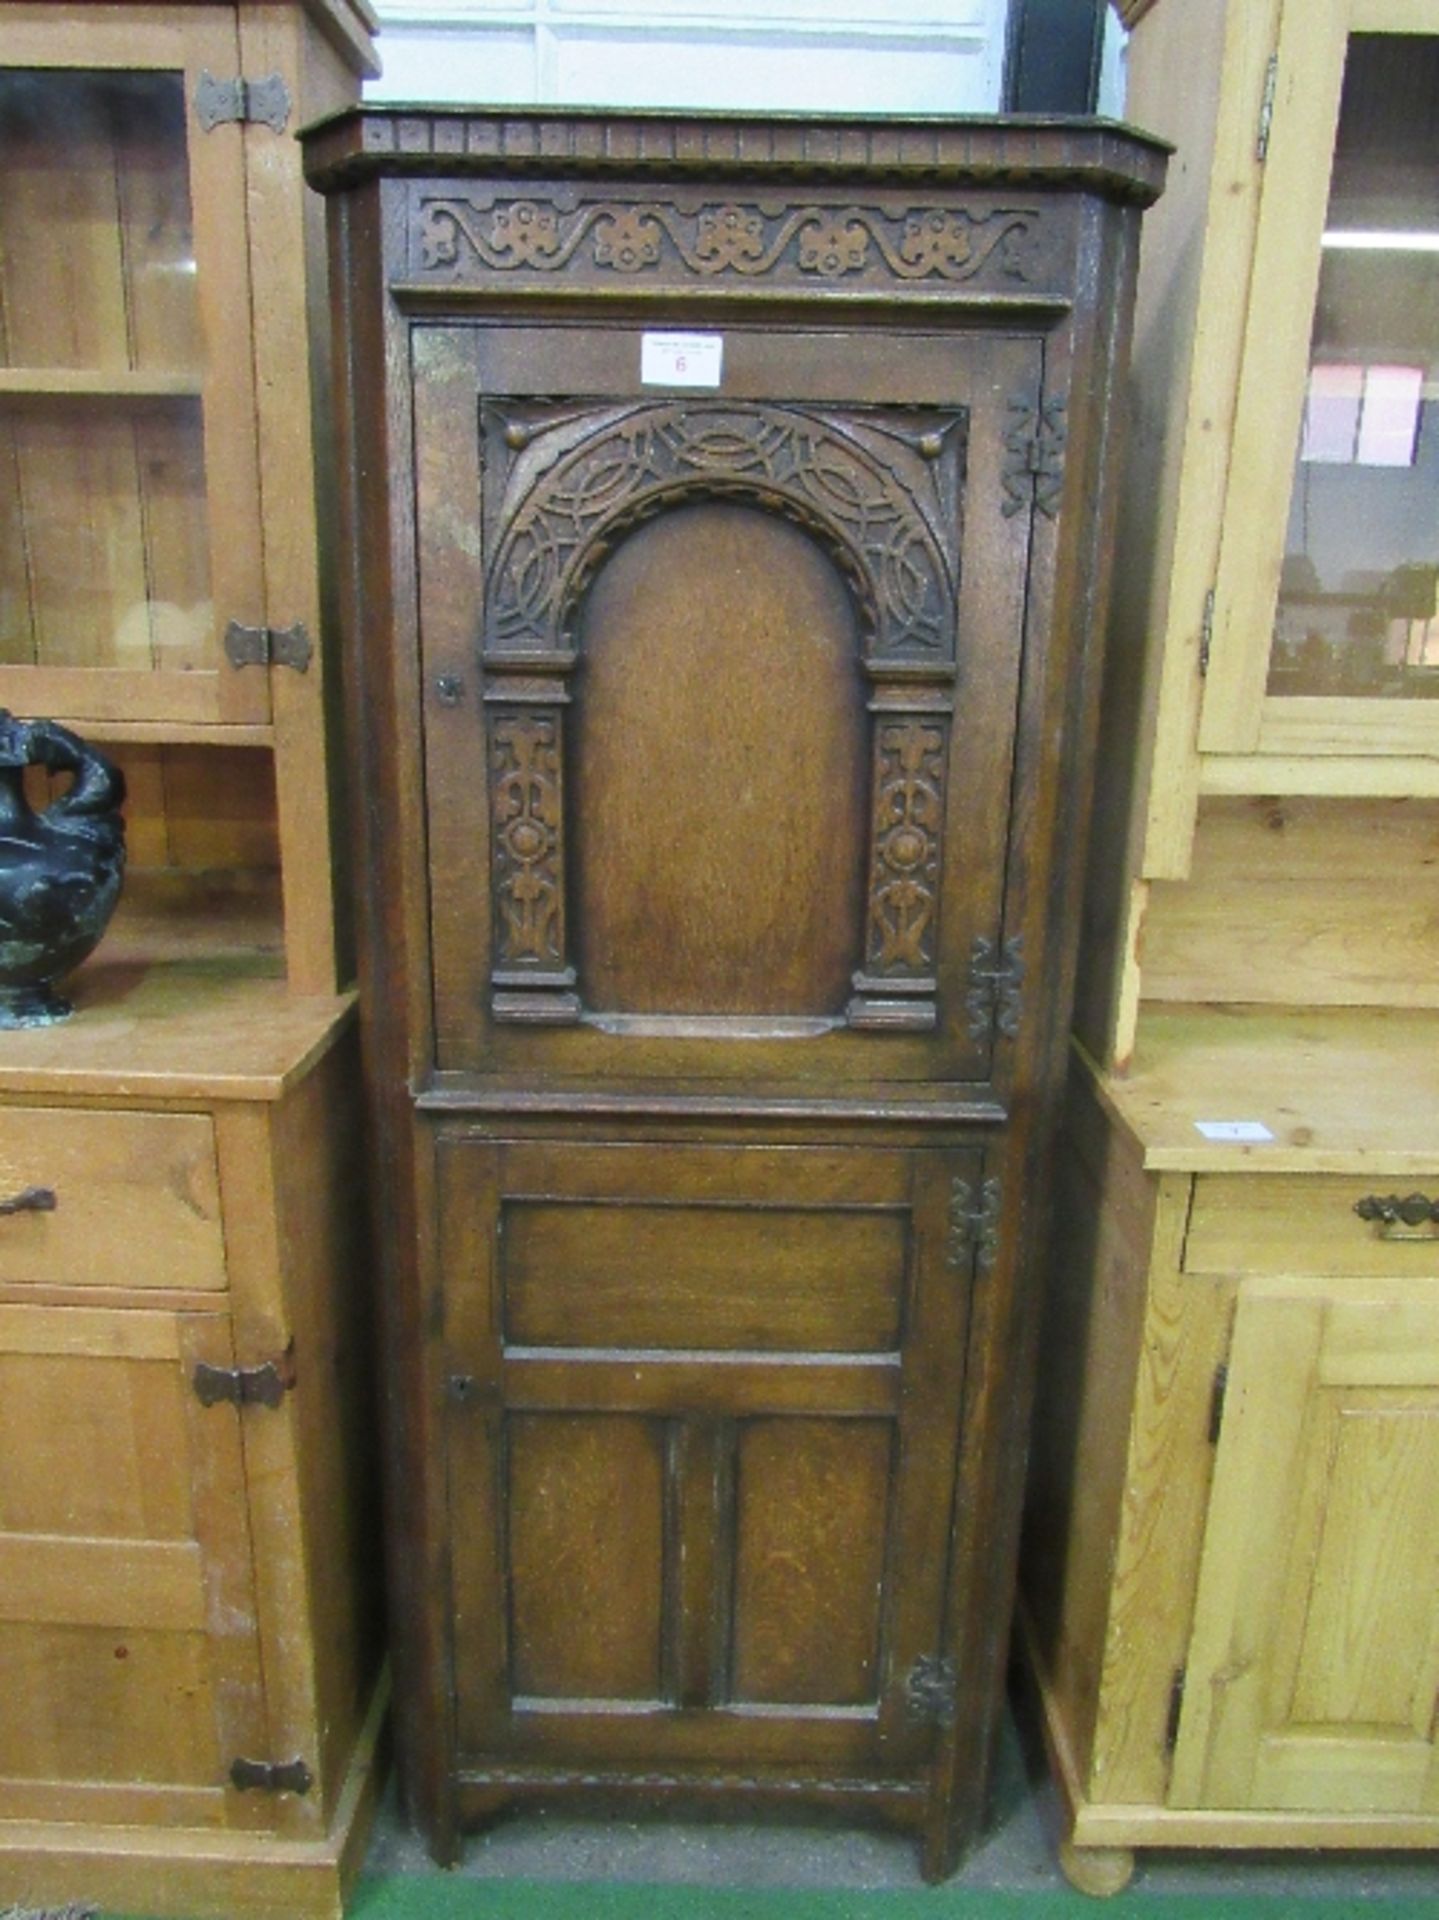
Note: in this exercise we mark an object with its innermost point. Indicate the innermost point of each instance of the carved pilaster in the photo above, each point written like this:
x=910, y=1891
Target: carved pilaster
x=530, y=977
x=897, y=986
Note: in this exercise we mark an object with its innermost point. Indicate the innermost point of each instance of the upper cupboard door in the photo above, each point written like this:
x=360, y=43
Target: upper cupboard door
x=129, y=490
x=1326, y=616
x=720, y=693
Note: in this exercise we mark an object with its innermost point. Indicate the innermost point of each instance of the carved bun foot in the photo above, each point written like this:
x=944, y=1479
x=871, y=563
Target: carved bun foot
x=34, y=1006
x=1097, y=1871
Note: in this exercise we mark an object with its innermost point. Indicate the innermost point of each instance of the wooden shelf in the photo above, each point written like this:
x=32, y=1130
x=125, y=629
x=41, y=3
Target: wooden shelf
x=1340, y=1089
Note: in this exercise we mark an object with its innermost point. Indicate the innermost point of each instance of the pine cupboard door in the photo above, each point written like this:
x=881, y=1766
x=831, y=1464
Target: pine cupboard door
x=721, y=696
x=129, y=1656
x=1313, y=1677
x=129, y=482
x=701, y=1415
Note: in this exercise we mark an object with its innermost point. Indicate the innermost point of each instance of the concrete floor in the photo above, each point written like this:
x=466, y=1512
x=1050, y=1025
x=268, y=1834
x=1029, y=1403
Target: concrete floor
x=1018, y=1852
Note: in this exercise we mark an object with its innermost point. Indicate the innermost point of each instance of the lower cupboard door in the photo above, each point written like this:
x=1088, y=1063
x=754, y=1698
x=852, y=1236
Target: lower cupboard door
x=702, y=1414
x=130, y=1674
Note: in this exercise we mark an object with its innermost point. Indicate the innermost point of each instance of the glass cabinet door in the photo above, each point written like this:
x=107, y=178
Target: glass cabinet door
x=1326, y=614
x=128, y=488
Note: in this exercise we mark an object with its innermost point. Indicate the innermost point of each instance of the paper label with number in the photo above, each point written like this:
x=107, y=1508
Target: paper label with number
x=681, y=359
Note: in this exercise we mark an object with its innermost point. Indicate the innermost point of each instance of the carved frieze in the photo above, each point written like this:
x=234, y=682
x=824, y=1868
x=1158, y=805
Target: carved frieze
x=456, y=234
x=879, y=488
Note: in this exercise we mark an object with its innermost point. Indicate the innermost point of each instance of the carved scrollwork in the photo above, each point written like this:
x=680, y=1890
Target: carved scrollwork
x=910, y=756
x=950, y=244
x=875, y=495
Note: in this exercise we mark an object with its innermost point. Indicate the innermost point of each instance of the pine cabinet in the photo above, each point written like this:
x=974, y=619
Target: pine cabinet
x=189, y=1646
x=1229, y=1583
x=727, y=523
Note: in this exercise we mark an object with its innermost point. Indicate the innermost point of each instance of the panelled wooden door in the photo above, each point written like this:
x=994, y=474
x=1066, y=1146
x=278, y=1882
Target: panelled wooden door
x=720, y=701
x=701, y=1407
x=1313, y=1679
x=129, y=477
x=129, y=1651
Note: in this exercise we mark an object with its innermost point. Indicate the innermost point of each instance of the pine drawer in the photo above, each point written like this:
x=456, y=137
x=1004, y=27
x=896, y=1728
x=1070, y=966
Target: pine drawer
x=136, y=1199
x=1307, y=1224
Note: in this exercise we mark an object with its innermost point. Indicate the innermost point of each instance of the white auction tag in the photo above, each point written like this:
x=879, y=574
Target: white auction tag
x=681, y=359
x=1251, y=1130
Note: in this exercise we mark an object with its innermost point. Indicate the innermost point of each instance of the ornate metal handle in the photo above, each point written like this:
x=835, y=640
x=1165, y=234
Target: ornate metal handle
x=31, y=1200
x=1392, y=1214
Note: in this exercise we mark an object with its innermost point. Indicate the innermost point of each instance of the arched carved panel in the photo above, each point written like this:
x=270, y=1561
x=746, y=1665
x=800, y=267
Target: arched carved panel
x=878, y=489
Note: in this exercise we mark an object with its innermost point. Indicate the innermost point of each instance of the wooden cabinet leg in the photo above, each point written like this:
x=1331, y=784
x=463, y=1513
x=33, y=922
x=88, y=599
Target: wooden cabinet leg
x=1098, y=1871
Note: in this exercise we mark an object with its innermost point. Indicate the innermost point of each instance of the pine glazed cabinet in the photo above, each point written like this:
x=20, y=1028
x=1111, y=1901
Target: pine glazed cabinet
x=727, y=528
x=190, y=1651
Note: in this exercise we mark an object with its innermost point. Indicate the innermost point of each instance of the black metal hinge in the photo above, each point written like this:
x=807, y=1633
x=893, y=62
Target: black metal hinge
x=220, y=103
x=264, y=1386
x=932, y=1688
x=1266, y=109
x=995, y=979
x=260, y=1776
x=268, y=646
x=1033, y=468
x=1206, y=634
x=973, y=1224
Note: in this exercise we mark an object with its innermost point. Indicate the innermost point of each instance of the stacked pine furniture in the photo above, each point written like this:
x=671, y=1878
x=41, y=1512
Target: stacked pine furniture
x=1230, y=1583
x=189, y=1644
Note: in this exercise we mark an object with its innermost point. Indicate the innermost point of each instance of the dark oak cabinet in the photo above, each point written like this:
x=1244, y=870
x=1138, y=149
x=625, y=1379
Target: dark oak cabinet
x=726, y=529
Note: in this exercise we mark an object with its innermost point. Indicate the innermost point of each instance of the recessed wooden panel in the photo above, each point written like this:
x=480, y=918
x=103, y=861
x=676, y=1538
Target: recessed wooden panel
x=106, y=1704
x=686, y=1277
x=586, y=1556
x=115, y=1462
x=720, y=772
x=812, y=1502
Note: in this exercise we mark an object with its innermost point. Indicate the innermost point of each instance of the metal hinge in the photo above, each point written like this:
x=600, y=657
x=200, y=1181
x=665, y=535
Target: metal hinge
x=1176, y=1709
x=1266, y=109
x=260, y=1776
x=932, y=1688
x=264, y=1386
x=973, y=1228
x=993, y=999
x=1216, y=1402
x=1033, y=468
x=1206, y=633
x=220, y=103
x=268, y=646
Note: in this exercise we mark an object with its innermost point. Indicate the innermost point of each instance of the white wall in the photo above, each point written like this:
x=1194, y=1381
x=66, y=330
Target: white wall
x=894, y=56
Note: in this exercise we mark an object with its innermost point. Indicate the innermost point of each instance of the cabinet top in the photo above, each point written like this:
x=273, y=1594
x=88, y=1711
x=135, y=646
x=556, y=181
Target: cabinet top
x=1098, y=156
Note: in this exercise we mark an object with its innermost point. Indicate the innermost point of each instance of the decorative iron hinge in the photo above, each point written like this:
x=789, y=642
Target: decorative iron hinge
x=268, y=646
x=260, y=1776
x=1217, y=1395
x=1176, y=1709
x=1206, y=633
x=931, y=1691
x=973, y=1229
x=1266, y=109
x=220, y=103
x=1033, y=468
x=264, y=1386
x=993, y=999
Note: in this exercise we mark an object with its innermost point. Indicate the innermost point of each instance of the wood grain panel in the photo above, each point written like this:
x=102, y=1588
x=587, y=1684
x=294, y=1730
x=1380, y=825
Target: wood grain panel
x=668, y=1276
x=586, y=1556
x=720, y=865
x=813, y=1498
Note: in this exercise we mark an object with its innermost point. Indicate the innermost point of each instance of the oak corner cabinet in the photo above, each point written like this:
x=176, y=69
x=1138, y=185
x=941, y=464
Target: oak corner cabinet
x=727, y=536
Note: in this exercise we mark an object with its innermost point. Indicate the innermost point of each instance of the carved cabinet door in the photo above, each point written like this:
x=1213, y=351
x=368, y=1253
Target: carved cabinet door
x=720, y=693
x=699, y=1438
